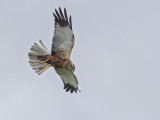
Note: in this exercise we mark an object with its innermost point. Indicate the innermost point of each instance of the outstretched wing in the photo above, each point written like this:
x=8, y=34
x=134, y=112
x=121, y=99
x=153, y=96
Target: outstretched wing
x=63, y=40
x=69, y=79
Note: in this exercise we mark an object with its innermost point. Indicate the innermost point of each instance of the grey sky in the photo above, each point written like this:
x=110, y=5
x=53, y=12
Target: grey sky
x=116, y=53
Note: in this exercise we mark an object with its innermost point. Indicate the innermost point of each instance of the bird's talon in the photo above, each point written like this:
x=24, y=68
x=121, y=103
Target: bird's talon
x=44, y=61
x=45, y=66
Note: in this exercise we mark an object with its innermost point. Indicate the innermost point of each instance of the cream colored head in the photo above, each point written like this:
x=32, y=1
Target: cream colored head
x=71, y=66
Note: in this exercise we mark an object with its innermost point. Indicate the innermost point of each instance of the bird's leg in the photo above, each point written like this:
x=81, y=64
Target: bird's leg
x=44, y=61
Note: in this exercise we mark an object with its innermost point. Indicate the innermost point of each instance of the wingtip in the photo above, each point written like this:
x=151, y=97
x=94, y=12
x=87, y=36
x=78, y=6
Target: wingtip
x=69, y=88
x=59, y=8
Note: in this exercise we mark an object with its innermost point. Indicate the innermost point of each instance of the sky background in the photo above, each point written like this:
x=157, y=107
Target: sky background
x=116, y=53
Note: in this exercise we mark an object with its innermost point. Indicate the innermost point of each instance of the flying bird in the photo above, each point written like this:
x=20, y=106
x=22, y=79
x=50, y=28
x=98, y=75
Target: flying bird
x=41, y=59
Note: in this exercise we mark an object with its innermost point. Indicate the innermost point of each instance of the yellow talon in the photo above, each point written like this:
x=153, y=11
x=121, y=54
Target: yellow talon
x=45, y=66
x=44, y=61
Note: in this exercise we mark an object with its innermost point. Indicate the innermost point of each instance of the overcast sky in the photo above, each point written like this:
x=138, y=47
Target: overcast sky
x=116, y=53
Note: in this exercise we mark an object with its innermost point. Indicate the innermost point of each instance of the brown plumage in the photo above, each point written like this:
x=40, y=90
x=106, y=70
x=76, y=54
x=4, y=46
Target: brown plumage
x=62, y=44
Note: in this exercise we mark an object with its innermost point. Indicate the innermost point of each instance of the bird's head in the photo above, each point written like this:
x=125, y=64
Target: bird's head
x=71, y=66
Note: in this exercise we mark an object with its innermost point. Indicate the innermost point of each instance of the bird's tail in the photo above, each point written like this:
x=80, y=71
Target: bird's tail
x=38, y=57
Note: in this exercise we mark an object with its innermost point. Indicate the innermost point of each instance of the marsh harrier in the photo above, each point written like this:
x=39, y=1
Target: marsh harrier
x=62, y=43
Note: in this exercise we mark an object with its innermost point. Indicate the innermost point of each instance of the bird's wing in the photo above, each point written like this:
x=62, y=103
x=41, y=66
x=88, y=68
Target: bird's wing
x=63, y=40
x=69, y=79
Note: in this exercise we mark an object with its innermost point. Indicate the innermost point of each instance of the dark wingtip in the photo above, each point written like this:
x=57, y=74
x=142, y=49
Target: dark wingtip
x=62, y=18
x=70, y=88
x=60, y=9
x=66, y=85
x=70, y=22
x=55, y=9
x=54, y=15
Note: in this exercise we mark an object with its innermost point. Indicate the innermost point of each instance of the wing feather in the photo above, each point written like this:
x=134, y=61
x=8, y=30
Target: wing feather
x=66, y=17
x=61, y=13
x=63, y=40
x=68, y=78
x=70, y=22
x=59, y=17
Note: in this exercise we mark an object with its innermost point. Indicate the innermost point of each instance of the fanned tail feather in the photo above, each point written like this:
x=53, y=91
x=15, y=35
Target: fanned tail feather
x=37, y=56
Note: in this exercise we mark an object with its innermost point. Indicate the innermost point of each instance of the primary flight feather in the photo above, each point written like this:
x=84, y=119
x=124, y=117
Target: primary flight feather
x=62, y=43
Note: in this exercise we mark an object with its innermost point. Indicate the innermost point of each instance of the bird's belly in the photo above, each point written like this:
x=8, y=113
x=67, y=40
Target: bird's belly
x=58, y=62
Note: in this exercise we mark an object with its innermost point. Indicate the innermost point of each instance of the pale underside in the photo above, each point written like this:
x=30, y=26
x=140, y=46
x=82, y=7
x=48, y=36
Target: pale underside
x=63, y=41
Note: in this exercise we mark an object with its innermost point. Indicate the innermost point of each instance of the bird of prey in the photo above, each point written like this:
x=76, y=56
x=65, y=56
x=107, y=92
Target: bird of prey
x=41, y=59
